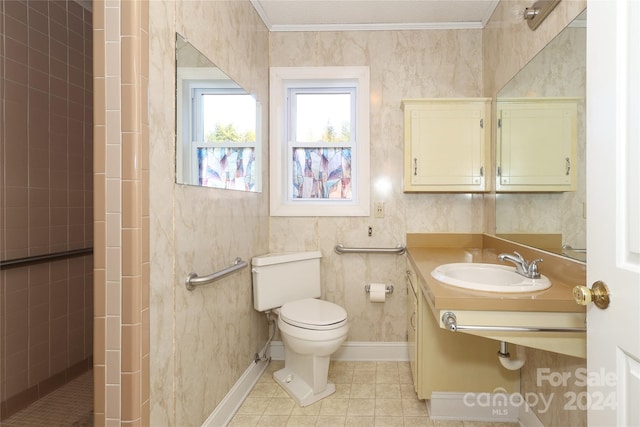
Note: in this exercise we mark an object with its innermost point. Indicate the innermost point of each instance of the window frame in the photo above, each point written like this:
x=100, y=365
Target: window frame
x=284, y=79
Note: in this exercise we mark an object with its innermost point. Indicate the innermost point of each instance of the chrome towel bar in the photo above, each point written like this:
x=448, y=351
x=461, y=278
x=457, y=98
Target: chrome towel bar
x=451, y=323
x=398, y=250
x=193, y=280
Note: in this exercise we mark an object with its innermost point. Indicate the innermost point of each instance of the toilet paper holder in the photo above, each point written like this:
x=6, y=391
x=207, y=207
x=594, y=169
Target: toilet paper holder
x=388, y=288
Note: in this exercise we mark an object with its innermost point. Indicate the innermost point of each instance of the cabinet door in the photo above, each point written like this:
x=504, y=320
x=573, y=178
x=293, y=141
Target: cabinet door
x=537, y=145
x=445, y=145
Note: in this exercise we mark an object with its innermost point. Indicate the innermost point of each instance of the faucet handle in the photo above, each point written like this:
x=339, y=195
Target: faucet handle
x=533, y=268
x=525, y=264
x=520, y=257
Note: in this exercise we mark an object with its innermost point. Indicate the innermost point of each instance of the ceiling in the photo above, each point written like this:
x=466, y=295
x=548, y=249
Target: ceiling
x=351, y=15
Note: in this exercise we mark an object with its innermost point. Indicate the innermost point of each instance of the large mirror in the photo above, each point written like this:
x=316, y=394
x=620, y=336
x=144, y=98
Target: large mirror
x=217, y=125
x=553, y=221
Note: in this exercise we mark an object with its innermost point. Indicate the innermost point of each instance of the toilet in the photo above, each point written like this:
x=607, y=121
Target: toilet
x=311, y=329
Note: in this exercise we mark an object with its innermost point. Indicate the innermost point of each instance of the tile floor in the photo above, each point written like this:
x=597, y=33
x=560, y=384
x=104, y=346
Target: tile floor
x=70, y=405
x=367, y=394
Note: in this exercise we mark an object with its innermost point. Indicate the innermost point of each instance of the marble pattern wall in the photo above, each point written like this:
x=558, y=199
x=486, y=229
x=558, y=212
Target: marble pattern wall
x=403, y=64
x=201, y=341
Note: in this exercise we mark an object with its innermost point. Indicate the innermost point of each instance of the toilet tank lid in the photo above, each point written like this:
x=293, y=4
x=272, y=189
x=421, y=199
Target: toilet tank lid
x=282, y=257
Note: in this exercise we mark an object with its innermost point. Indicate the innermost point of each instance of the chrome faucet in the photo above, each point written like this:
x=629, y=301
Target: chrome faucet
x=523, y=267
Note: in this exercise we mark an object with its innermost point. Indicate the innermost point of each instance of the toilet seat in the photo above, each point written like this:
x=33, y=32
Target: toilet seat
x=311, y=313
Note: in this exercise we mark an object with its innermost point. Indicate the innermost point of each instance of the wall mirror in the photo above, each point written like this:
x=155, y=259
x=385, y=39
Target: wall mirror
x=218, y=141
x=553, y=221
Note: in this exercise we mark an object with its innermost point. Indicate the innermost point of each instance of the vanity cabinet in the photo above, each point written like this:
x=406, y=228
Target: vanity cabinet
x=445, y=361
x=446, y=144
x=536, y=144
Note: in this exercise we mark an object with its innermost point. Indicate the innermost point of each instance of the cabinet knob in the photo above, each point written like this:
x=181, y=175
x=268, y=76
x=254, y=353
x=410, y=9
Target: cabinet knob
x=598, y=294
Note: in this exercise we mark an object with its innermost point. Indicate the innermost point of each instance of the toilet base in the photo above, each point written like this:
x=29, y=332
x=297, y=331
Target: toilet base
x=298, y=389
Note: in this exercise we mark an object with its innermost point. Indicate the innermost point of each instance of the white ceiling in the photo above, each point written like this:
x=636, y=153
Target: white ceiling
x=349, y=15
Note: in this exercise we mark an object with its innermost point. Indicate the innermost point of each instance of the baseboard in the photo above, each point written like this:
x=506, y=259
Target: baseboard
x=482, y=407
x=358, y=351
x=226, y=409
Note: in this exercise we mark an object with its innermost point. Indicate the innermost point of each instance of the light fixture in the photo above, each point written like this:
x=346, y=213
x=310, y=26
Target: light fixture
x=537, y=13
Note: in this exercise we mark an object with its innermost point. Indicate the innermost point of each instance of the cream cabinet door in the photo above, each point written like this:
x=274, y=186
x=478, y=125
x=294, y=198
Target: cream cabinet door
x=537, y=144
x=446, y=144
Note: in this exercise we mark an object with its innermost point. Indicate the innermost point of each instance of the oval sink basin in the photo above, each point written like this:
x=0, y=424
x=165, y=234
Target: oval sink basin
x=488, y=277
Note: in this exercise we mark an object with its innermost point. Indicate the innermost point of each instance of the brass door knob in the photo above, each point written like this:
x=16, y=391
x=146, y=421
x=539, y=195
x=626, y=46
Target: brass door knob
x=598, y=294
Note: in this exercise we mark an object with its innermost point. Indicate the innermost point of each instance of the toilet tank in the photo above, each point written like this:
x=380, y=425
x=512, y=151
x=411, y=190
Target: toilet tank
x=283, y=277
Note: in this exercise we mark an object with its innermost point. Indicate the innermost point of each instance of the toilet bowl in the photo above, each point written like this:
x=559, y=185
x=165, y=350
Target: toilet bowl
x=311, y=329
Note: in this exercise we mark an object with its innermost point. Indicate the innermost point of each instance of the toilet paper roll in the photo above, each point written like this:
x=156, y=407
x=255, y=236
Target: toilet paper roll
x=377, y=292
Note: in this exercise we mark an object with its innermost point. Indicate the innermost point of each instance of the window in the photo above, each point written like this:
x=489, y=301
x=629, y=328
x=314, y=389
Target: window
x=319, y=141
x=218, y=130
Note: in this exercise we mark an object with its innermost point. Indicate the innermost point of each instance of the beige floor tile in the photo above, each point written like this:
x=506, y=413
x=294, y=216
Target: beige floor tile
x=264, y=389
x=331, y=421
x=442, y=423
x=302, y=420
x=334, y=407
x=341, y=376
x=362, y=391
x=343, y=391
x=404, y=373
x=273, y=421
x=361, y=407
x=388, y=391
x=417, y=422
x=254, y=406
x=364, y=377
x=407, y=391
x=367, y=394
x=414, y=407
x=280, y=392
x=389, y=422
x=360, y=421
x=388, y=408
x=241, y=420
x=313, y=409
x=365, y=366
x=387, y=376
x=279, y=406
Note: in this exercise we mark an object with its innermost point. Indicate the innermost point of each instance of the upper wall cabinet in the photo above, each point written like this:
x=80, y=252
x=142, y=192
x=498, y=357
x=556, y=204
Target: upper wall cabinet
x=536, y=144
x=446, y=144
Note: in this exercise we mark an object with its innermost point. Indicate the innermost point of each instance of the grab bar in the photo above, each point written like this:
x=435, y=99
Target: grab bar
x=451, y=323
x=399, y=250
x=193, y=280
x=36, y=259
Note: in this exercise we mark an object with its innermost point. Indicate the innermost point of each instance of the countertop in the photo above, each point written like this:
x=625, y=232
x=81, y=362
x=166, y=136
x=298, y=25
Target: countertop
x=557, y=298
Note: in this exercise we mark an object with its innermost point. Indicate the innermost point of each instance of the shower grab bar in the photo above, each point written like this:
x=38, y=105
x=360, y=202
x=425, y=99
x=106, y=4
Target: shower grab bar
x=450, y=322
x=37, y=259
x=398, y=250
x=193, y=280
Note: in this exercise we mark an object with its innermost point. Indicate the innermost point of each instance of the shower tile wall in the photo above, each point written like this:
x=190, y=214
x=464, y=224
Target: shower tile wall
x=46, y=309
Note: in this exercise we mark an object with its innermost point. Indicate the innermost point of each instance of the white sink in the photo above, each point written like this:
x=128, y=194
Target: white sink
x=488, y=277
